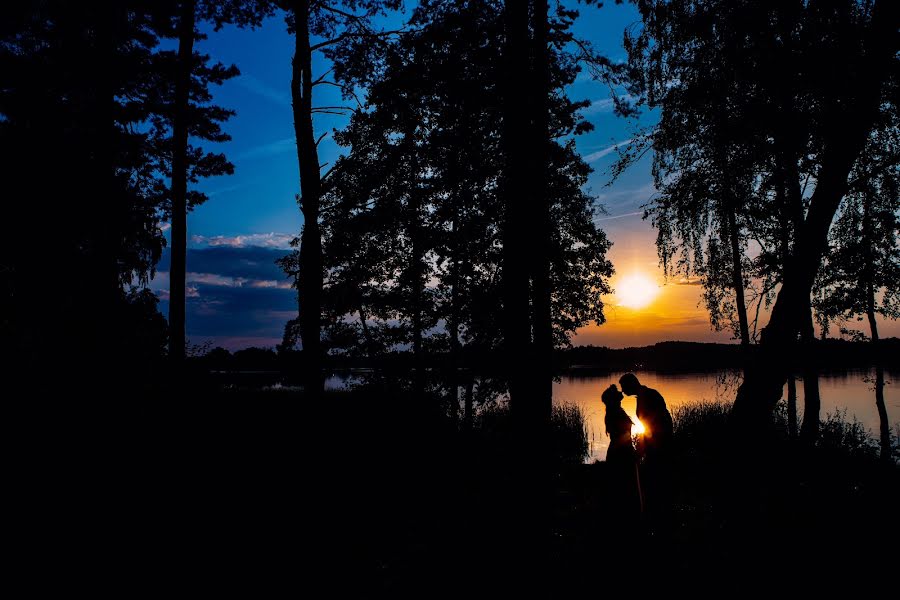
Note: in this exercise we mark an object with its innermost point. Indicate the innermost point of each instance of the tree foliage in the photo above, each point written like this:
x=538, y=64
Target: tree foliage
x=413, y=216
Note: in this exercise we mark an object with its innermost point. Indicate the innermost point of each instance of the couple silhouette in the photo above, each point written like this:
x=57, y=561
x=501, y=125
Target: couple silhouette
x=638, y=464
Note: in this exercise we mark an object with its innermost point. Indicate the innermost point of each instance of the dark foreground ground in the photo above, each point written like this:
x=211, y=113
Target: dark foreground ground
x=361, y=496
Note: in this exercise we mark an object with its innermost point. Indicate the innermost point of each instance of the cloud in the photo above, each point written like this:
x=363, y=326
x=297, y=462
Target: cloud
x=606, y=105
x=631, y=214
x=685, y=281
x=281, y=241
x=251, y=263
x=226, y=189
x=234, y=292
x=268, y=149
x=164, y=227
x=628, y=199
x=252, y=84
x=609, y=150
x=214, y=279
x=245, y=311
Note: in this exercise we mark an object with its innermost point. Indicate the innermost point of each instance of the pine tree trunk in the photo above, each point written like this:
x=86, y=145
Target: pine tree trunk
x=453, y=322
x=417, y=262
x=541, y=237
x=309, y=279
x=179, y=183
x=516, y=326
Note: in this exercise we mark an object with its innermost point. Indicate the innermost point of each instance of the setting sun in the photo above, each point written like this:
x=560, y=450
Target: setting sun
x=636, y=291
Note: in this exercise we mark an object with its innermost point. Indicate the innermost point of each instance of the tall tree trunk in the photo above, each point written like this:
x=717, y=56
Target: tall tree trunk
x=367, y=334
x=850, y=127
x=792, y=405
x=179, y=182
x=785, y=226
x=417, y=262
x=469, y=410
x=542, y=325
x=869, y=270
x=737, y=277
x=453, y=322
x=309, y=279
x=812, y=402
x=516, y=328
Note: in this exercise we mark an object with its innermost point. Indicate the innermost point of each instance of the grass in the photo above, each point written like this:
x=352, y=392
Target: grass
x=568, y=431
x=397, y=499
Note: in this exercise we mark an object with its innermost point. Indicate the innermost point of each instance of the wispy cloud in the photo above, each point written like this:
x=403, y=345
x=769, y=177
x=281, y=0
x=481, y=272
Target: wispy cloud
x=631, y=214
x=268, y=149
x=262, y=240
x=252, y=84
x=624, y=203
x=215, y=279
x=685, y=281
x=226, y=189
x=164, y=227
x=605, y=105
x=606, y=151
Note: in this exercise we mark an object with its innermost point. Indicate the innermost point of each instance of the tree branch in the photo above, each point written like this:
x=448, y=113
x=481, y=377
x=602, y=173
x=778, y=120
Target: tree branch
x=348, y=34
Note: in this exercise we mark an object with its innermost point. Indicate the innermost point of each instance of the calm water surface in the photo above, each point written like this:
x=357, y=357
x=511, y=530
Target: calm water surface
x=851, y=391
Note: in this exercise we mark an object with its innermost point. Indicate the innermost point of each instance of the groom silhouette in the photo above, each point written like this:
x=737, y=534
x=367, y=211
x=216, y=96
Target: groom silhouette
x=653, y=413
x=654, y=446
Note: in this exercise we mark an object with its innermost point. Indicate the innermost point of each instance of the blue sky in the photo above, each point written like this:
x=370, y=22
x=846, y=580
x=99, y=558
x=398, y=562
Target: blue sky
x=236, y=297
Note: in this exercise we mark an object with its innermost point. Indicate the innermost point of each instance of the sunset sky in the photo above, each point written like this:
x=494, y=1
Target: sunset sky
x=238, y=297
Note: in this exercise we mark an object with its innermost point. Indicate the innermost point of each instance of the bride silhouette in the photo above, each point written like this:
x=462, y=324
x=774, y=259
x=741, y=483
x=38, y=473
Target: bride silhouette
x=621, y=457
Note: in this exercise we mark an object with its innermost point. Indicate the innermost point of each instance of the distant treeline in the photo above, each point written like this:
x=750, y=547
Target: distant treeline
x=664, y=356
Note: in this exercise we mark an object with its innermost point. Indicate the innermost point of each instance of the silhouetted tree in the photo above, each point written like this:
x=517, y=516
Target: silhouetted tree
x=189, y=114
x=343, y=28
x=863, y=39
x=862, y=274
x=77, y=158
x=793, y=114
x=430, y=128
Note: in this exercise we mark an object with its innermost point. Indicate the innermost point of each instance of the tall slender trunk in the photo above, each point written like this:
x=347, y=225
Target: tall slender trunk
x=792, y=405
x=469, y=410
x=367, y=334
x=309, y=279
x=417, y=262
x=812, y=401
x=453, y=321
x=869, y=273
x=737, y=276
x=179, y=182
x=785, y=229
x=516, y=327
x=542, y=325
x=527, y=518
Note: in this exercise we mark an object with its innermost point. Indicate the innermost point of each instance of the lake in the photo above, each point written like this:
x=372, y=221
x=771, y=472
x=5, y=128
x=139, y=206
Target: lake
x=848, y=391
x=852, y=391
